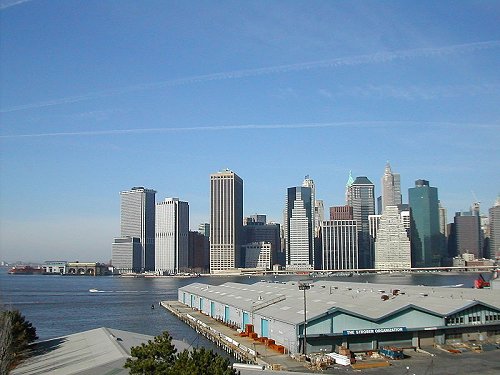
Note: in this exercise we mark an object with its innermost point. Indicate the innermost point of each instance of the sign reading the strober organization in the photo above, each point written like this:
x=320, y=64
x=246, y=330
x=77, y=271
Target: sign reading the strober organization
x=373, y=330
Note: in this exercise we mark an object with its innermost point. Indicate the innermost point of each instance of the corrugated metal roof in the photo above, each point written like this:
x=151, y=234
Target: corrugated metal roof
x=362, y=299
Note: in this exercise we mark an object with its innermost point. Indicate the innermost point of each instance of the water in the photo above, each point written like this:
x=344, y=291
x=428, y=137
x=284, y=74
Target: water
x=62, y=305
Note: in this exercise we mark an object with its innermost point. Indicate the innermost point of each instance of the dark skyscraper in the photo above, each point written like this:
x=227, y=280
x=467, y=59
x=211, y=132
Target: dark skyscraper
x=426, y=237
x=468, y=234
x=360, y=196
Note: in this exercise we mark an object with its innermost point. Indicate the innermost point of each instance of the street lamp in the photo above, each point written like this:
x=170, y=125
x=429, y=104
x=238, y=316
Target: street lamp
x=304, y=286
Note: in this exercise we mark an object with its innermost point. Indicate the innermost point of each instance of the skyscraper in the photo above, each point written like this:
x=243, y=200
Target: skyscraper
x=171, y=236
x=494, y=213
x=226, y=220
x=339, y=245
x=392, y=245
x=391, y=188
x=360, y=195
x=427, y=240
x=137, y=219
x=299, y=228
x=468, y=233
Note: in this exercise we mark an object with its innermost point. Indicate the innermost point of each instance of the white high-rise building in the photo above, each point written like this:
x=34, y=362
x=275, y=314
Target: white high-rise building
x=172, y=236
x=226, y=220
x=137, y=219
x=340, y=244
x=391, y=188
x=392, y=245
x=299, y=228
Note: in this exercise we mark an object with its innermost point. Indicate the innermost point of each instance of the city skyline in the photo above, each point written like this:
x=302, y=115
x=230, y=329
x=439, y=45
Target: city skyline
x=97, y=97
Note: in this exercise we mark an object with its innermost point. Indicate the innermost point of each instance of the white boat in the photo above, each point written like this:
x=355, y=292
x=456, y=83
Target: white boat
x=93, y=290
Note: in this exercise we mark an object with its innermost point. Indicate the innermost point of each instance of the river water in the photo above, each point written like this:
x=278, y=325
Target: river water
x=62, y=305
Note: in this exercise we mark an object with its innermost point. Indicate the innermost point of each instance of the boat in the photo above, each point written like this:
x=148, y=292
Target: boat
x=25, y=270
x=93, y=290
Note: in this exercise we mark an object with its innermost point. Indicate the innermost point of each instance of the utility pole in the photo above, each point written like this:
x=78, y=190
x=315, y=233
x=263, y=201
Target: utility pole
x=304, y=286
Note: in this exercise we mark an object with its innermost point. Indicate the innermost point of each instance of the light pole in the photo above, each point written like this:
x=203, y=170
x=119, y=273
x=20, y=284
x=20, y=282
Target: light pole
x=304, y=286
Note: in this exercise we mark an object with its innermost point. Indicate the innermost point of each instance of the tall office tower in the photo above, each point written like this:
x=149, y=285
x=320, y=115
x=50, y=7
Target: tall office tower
x=172, y=236
x=199, y=252
x=468, y=233
x=339, y=244
x=361, y=197
x=341, y=213
x=391, y=188
x=138, y=220
x=269, y=233
x=204, y=228
x=426, y=238
x=494, y=214
x=226, y=220
x=392, y=246
x=299, y=228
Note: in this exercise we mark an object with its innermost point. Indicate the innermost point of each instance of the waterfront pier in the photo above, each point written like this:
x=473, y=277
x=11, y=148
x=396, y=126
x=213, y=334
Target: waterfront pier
x=244, y=349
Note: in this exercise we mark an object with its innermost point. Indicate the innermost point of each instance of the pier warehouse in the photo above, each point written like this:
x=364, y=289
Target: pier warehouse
x=360, y=316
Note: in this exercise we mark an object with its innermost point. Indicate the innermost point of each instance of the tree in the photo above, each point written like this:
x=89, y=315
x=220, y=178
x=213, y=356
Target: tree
x=201, y=362
x=159, y=357
x=155, y=357
x=16, y=335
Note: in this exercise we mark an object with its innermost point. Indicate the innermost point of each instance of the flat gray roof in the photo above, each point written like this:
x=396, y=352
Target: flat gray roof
x=98, y=351
x=362, y=299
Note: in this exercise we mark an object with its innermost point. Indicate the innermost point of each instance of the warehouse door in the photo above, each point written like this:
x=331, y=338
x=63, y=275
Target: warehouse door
x=360, y=343
x=246, y=319
x=264, y=328
x=401, y=340
x=226, y=314
x=201, y=304
x=192, y=301
x=212, y=309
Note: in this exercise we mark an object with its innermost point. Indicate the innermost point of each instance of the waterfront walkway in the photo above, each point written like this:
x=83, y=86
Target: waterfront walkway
x=244, y=349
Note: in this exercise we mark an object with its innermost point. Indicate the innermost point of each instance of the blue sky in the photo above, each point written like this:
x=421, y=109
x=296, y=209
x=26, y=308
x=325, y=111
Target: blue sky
x=99, y=96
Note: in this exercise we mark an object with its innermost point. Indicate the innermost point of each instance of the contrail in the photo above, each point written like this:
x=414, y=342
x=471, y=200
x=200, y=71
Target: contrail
x=373, y=124
x=238, y=74
x=11, y=3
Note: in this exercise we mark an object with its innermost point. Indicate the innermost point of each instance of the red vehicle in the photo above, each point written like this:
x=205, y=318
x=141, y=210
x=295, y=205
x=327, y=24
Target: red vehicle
x=481, y=283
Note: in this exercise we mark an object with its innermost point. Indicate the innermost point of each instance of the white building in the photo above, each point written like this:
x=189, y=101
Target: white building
x=171, y=236
x=226, y=220
x=300, y=233
x=339, y=244
x=392, y=245
x=258, y=255
x=137, y=219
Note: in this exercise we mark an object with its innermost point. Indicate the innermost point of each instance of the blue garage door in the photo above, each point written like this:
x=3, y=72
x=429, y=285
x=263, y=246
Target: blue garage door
x=201, y=304
x=264, y=328
x=192, y=300
x=246, y=319
x=212, y=309
x=226, y=313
